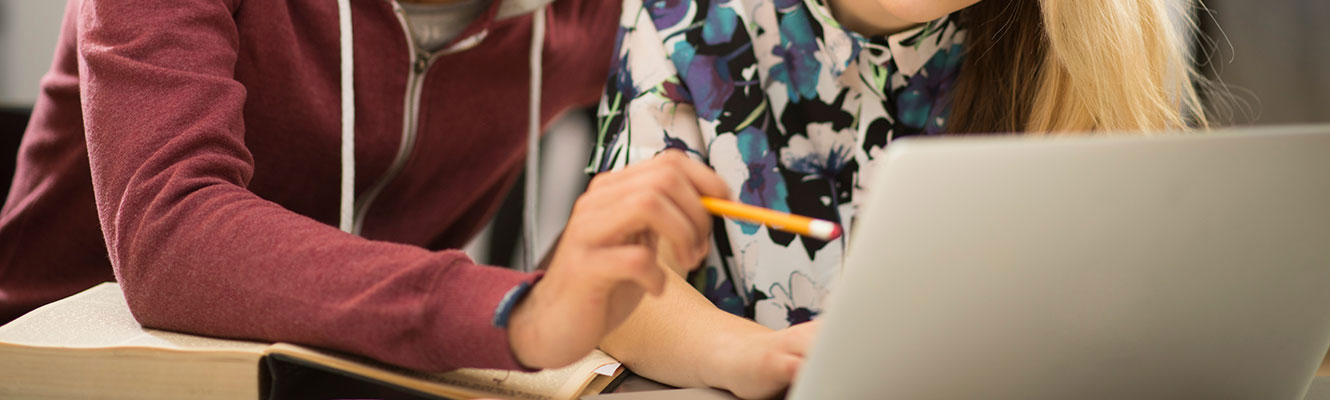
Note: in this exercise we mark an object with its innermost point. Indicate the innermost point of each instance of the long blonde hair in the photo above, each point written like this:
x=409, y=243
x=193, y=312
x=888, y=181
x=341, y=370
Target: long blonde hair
x=1054, y=66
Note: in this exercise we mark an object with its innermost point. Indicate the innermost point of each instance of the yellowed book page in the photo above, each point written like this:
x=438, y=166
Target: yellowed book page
x=600, y=382
x=89, y=346
x=552, y=384
x=100, y=318
x=563, y=383
x=32, y=372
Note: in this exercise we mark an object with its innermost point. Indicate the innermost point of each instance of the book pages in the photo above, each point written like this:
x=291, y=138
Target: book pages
x=100, y=318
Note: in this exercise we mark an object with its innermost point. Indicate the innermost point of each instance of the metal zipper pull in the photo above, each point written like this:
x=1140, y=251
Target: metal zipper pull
x=422, y=62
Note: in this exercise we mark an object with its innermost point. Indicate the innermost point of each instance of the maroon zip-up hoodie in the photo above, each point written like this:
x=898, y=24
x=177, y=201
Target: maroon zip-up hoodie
x=204, y=136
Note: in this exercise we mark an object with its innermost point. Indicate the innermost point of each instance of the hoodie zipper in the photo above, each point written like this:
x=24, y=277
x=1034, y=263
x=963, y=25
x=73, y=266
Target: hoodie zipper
x=421, y=61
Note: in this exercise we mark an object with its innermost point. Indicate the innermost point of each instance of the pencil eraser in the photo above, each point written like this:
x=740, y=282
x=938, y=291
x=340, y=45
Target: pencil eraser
x=824, y=230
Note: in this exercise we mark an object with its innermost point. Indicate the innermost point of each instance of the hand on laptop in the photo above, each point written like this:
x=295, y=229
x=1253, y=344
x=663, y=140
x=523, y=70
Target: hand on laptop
x=764, y=363
x=606, y=259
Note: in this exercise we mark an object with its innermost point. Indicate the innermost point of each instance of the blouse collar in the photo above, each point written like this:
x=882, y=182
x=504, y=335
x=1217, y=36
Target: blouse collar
x=908, y=50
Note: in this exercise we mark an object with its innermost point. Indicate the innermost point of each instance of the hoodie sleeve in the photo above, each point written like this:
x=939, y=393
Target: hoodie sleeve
x=195, y=251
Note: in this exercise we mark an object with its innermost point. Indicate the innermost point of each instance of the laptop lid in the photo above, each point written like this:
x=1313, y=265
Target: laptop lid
x=1173, y=266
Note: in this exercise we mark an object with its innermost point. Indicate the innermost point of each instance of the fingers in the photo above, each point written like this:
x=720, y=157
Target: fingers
x=772, y=374
x=703, y=178
x=787, y=366
x=690, y=180
x=684, y=196
x=672, y=225
x=621, y=212
x=668, y=174
x=675, y=177
x=798, y=338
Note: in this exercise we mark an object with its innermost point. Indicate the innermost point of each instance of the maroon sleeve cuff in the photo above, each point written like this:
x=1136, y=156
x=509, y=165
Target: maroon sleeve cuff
x=466, y=322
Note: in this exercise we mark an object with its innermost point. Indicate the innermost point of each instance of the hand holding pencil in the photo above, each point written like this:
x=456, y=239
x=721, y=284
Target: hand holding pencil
x=607, y=258
x=606, y=261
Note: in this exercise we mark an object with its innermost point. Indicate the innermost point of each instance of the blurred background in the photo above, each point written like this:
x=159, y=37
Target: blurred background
x=1272, y=58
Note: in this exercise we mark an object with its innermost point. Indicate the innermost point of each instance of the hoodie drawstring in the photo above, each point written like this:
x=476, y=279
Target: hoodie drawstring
x=529, y=206
x=346, y=211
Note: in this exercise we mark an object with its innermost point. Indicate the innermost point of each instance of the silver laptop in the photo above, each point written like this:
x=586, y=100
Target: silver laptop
x=1191, y=266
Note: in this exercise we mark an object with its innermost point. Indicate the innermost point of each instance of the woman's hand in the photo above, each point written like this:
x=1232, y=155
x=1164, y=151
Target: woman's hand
x=763, y=363
x=606, y=259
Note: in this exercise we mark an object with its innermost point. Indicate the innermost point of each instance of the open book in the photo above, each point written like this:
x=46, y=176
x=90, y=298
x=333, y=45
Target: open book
x=88, y=345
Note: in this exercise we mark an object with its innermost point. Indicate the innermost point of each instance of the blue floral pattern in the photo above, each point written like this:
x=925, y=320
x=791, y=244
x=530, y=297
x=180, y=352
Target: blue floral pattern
x=789, y=108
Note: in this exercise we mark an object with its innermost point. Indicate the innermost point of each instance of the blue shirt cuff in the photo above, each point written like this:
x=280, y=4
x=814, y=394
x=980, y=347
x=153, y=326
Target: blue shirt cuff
x=509, y=301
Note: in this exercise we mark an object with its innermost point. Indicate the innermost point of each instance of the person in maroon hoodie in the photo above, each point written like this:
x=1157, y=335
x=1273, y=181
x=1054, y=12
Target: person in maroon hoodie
x=204, y=154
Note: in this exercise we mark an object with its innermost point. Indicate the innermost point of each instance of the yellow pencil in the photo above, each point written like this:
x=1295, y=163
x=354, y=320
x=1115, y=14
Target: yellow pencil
x=797, y=224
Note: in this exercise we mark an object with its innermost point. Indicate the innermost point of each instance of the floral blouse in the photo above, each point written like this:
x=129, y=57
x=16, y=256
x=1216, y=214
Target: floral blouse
x=789, y=108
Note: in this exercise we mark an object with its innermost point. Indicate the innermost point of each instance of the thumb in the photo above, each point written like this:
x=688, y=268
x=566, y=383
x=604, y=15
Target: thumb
x=798, y=338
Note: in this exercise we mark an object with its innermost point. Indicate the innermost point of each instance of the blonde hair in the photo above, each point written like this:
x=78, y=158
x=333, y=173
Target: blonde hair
x=1056, y=66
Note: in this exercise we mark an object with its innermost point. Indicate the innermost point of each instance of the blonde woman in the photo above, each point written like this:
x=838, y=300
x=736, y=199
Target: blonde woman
x=792, y=102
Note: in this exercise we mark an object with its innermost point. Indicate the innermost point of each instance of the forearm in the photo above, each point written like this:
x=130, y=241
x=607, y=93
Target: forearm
x=679, y=338
x=222, y=263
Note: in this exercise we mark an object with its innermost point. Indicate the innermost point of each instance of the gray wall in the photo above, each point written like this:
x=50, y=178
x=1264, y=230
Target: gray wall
x=1279, y=62
x=28, y=31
